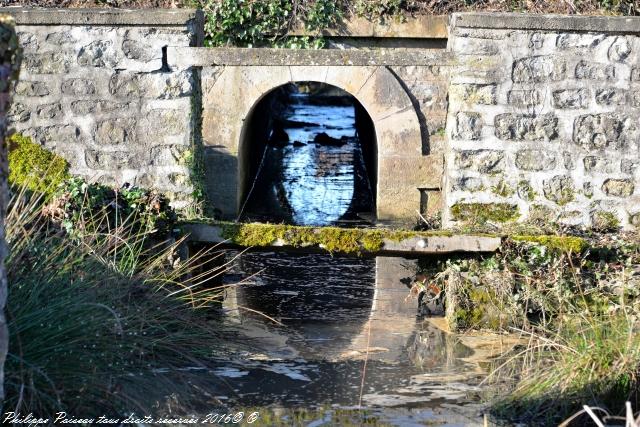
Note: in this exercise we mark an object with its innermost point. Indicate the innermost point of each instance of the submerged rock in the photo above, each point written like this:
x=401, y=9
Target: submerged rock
x=279, y=137
x=323, y=139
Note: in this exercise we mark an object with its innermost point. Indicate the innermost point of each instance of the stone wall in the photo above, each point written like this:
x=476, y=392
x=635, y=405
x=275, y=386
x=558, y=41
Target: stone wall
x=9, y=63
x=543, y=119
x=96, y=88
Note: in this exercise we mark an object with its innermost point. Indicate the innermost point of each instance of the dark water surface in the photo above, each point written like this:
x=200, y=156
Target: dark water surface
x=335, y=314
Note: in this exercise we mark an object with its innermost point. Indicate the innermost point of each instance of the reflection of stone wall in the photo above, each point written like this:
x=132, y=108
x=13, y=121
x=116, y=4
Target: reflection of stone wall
x=543, y=120
x=9, y=62
x=96, y=88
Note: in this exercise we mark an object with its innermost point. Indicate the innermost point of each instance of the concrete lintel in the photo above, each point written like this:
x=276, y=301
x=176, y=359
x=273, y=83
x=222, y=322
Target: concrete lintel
x=523, y=21
x=204, y=57
x=418, y=245
x=419, y=27
x=132, y=17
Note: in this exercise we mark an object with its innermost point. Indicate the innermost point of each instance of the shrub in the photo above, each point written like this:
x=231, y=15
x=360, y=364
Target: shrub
x=32, y=166
x=79, y=205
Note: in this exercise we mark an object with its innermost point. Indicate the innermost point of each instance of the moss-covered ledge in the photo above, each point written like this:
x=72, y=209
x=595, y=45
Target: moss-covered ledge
x=339, y=240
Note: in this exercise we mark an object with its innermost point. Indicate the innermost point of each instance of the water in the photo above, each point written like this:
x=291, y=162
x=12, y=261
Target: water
x=305, y=183
x=339, y=337
x=349, y=339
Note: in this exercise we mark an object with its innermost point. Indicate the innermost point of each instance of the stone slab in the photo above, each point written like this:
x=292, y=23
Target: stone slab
x=419, y=27
x=109, y=17
x=203, y=57
x=419, y=245
x=533, y=22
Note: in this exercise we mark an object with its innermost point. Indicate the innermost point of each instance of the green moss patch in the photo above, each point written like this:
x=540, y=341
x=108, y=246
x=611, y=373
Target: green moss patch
x=35, y=168
x=332, y=239
x=570, y=244
x=484, y=212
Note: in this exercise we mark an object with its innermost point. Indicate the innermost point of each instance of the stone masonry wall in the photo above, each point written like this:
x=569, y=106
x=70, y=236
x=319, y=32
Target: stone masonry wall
x=543, y=122
x=9, y=64
x=96, y=88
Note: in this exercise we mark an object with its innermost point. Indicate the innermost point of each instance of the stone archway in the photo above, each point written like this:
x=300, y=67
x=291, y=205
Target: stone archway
x=230, y=93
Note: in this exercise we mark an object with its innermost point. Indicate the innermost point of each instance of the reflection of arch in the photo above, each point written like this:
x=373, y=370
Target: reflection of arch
x=232, y=93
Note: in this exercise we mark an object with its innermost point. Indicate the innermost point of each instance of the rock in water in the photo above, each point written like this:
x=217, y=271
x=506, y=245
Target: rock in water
x=323, y=139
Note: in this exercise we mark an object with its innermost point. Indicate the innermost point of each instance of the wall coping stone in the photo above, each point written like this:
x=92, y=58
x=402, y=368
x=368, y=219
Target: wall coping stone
x=111, y=17
x=524, y=21
x=203, y=57
x=420, y=27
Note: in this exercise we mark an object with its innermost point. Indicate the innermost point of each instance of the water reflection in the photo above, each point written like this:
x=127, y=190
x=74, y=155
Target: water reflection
x=313, y=171
x=337, y=312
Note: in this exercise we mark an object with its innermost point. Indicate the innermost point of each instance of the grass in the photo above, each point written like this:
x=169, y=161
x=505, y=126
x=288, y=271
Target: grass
x=104, y=323
x=580, y=311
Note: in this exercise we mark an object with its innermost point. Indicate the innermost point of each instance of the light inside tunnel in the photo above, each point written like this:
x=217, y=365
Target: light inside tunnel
x=308, y=157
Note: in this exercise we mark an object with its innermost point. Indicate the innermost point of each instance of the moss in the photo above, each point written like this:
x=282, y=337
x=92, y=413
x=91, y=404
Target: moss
x=478, y=310
x=332, y=239
x=502, y=189
x=525, y=191
x=32, y=166
x=483, y=212
x=604, y=221
x=571, y=244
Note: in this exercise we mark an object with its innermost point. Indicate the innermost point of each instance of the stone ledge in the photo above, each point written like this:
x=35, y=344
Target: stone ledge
x=421, y=27
x=419, y=243
x=203, y=57
x=523, y=21
x=137, y=17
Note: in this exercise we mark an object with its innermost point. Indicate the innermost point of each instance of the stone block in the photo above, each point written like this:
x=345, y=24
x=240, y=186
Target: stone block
x=32, y=88
x=620, y=49
x=524, y=98
x=578, y=41
x=90, y=106
x=595, y=71
x=468, y=126
x=571, y=98
x=569, y=161
x=611, y=96
x=601, y=131
x=18, y=113
x=115, y=131
x=47, y=63
x=78, y=87
x=525, y=127
x=535, y=160
x=596, y=164
x=618, y=187
x=165, y=122
x=483, y=161
x=629, y=166
x=470, y=183
x=483, y=94
x=110, y=160
x=168, y=155
x=49, y=135
x=559, y=189
x=539, y=69
x=99, y=53
x=49, y=111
